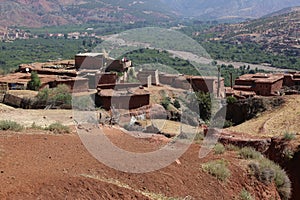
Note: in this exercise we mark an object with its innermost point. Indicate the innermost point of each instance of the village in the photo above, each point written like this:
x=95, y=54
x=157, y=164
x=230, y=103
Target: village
x=8, y=34
x=96, y=71
x=109, y=84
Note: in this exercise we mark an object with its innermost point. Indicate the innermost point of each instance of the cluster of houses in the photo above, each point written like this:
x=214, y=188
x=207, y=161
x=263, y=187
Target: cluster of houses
x=109, y=79
x=9, y=34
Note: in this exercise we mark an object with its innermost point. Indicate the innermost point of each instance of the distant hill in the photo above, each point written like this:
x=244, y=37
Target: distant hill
x=284, y=11
x=277, y=33
x=228, y=9
x=37, y=13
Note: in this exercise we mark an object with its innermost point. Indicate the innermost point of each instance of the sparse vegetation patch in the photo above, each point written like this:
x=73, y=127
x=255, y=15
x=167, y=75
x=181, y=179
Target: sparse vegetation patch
x=58, y=128
x=245, y=195
x=10, y=125
x=217, y=168
x=289, y=136
x=219, y=148
x=249, y=153
x=267, y=171
x=231, y=147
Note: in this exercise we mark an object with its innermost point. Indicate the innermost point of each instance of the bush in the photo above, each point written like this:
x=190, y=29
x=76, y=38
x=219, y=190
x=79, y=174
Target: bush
x=58, y=128
x=59, y=96
x=166, y=102
x=205, y=105
x=288, y=153
x=245, y=195
x=249, y=153
x=267, y=171
x=219, y=148
x=199, y=137
x=35, y=82
x=231, y=100
x=289, y=136
x=176, y=104
x=217, y=168
x=231, y=147
x=10, y=125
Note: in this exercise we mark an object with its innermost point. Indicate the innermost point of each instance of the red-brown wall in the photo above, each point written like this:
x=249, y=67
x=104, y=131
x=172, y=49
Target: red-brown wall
x=123, y=102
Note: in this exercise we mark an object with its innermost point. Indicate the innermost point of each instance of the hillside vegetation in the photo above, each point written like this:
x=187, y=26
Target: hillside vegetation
x=273, y=40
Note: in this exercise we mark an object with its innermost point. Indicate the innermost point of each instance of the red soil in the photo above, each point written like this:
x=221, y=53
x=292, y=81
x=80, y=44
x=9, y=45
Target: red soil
x=44, y=166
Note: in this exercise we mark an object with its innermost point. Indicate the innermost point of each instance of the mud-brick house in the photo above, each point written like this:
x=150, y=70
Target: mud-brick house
x=143, y=75
x=122, y=98
x=207, y=84
x=94, y=61
x=261, y=84
x=99, y=61
x=118, y=65
x=291, y=79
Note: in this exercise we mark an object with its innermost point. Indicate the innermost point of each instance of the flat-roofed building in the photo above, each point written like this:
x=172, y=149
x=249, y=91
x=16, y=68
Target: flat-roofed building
x=260, y=83
x=124, y=98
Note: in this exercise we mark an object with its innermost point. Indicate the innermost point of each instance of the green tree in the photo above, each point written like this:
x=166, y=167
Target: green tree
x=205, y=105
x=35, y=82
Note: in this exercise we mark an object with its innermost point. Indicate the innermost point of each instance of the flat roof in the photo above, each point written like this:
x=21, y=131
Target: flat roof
x=261, y=77
x=23, y=78
x=211, y=78
x=90, y=54
x=123, y=92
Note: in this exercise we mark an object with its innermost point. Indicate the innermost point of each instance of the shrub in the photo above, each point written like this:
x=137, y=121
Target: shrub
x=228, y=124
x=59, y=96
x=204, y=101
x=249, y=153
x=35, y=82
x=10, y=125
x=199, y=137
x=267, y=171
x=288, y=153
x=289, y=136
x=231, y=100
x=166, y=102
x=245, y=195
x=58, y=128
x=217, y=168
x=231, y=147
x=176, y=104
x=219, y=148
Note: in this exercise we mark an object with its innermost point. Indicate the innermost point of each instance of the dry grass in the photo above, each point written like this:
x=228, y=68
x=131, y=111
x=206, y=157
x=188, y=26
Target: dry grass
x=276, y=122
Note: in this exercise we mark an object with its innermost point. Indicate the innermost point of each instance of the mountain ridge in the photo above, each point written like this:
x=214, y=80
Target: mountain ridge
x=38, y=13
